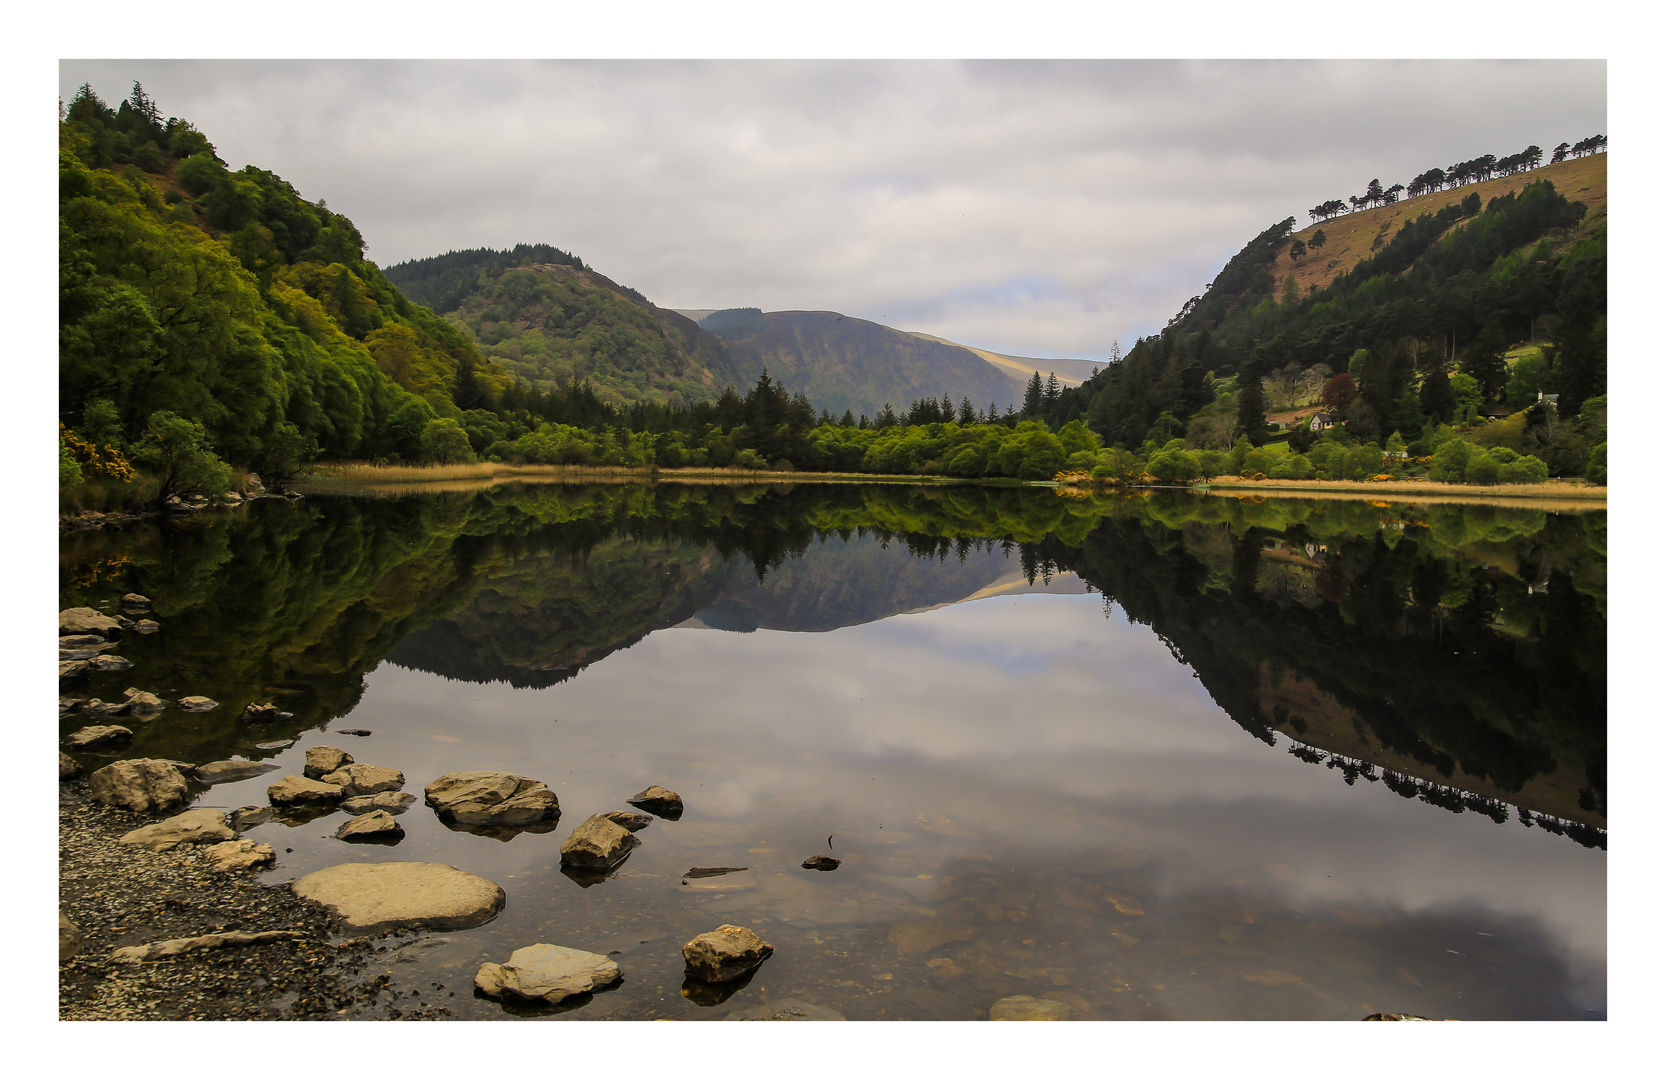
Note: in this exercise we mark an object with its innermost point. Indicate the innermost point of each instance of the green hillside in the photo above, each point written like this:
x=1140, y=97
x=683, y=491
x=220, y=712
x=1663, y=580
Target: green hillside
x=229, y=301
x=549, y=320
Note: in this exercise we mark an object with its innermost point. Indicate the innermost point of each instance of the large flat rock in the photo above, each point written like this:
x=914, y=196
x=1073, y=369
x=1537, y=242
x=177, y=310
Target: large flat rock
x=396, y=895
x=484, y=797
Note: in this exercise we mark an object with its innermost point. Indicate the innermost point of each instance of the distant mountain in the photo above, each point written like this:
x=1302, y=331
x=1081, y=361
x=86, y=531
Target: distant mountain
x=843, y=362
x=1069, y=372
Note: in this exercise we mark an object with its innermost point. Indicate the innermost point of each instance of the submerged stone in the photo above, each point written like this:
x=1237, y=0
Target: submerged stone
x=549, y=973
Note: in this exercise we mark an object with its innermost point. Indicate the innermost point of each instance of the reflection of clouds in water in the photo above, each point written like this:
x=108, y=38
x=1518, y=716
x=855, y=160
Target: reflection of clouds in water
x=1027, y=720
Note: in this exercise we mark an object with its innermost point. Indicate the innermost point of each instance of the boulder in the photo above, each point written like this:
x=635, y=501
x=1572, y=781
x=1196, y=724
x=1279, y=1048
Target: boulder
x=239, y=855
x=139, y=784
x=633, y=821
x=68, y=767
x=140, y=702
x=394, y=802
x=146, y=626
x=70, y=938
x=196, y=703
x=99, y=737
x=134, y=602
x=299, y=791
x=224, y=772
x=1025, y=1007
x=724, y=954
x=108, y=663
x=549, y=973
x=597, y=844
x=191, y=827
x=96, y=707
x=67, y=705
x=362, y=779
x=82, y=641
x=376, y=825
x=86, y=620
x=324, y=759
x=399, y=895
x=786, y=1009
x=491, y=798
x=71, y=669
x=661, y=802
x=262, y=712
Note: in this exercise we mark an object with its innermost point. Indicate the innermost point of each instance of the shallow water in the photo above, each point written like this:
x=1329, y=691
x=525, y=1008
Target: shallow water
x=1188, y=769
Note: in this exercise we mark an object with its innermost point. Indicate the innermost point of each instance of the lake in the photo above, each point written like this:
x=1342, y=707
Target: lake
x=1155, y=756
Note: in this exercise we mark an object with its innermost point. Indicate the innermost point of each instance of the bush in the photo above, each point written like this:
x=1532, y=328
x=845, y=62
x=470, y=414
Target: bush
x=1482, y=469
x=445, y=442
x=1524, y=470
x=176, y=450
x=1597, y=470
x=1450, y=462
x=69, y=470
x=1174, y=466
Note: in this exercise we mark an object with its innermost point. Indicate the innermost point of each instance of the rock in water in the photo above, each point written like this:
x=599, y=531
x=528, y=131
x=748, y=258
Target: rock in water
x=492, y=798
x=299, y=791
x=159, y=950
x=388, y=896
x=597, y=844
x=239, y=855
x=724, y=954
x=1025, y=1007
x=658, y=801
x=549, y=973
x=68, y=767
x=140, y=702
x=139, y=784
x=324, y=759
x=263, y=712
x=99, y=737
x=786, y=1009
x=109, y=663
x=377, y=825
x=394, y=802
x=224, y=772
x=191, y=827
x=362, y=779
x=134, y=602
x=86, y=620
x=633, y=821
x=820, y=862
x=197, y=703
x=70, y=669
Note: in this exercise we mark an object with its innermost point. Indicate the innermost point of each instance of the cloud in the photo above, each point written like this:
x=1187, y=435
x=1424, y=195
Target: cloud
x=1036, y=208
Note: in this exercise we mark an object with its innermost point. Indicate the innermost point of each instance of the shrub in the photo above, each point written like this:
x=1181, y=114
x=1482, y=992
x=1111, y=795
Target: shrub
x=1482, y=469
x=1524, y=470
x=1596, y=471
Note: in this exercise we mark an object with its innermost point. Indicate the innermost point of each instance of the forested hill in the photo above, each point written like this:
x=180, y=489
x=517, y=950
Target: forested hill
x=549, y=320
x=226, y=299
x=843, y=363
x=1462, y=302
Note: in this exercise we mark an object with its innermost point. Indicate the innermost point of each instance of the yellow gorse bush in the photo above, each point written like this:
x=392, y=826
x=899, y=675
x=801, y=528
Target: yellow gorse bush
x=97, y=460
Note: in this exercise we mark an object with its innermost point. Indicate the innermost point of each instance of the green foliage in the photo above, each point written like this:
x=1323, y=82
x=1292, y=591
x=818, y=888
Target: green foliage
x=1597, y=471
x=176, y=451
x=445, y=442
x=69, y=470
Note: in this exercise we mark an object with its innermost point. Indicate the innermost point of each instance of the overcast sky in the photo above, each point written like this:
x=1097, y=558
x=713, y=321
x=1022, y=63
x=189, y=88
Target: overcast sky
x=1041, y=209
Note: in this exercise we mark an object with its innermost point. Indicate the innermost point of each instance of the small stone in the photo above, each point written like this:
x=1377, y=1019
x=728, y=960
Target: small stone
x=134, y=602
x=299, y=791
x=658, y=801
x=140, y=702
x=820, y=862
x=352, y=731
x=139, y=784
x=146, y=626
x=96, y=707
x=724, y=954
x=362, y=779
x=628, y=819
x=324, y=759
x=191, y=827
x=109, y=663
x=99, y=737
x=196, y=703
x=68, y=767
x=397, y=895
x=159, y=950
x=67, y=705
x=82, y=641
x=394, y=802
x=1025, y=1007
x=246, y=817
x=71, y=669
x=597, y=844
x=224, y=772
x=544, y=972
x=70, y=937
x=376, y=825
x=786, y=1009
x=263, y=712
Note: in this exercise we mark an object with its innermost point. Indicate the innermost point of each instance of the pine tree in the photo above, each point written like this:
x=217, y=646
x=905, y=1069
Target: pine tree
x=1033, y=396
x=1252, y=407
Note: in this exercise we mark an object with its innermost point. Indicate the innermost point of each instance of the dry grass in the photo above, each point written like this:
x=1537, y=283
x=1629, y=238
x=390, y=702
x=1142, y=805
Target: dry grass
x=1348, y=238
x=362, y=477
x=1551, y=495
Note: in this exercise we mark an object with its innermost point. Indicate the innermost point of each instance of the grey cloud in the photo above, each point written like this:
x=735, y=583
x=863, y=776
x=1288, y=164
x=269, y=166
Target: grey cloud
x=931, y=195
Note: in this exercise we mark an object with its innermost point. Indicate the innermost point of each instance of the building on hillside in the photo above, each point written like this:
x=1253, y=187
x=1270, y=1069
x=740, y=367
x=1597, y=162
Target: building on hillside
x=1322, y=420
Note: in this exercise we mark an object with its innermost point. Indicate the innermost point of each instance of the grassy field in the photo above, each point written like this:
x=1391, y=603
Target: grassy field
x=1348, y=238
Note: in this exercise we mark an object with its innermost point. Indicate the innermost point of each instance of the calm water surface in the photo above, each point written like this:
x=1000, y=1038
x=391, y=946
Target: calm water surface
x=1172, y=757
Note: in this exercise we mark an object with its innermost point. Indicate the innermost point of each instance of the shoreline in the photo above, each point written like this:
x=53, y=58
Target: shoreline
x=120, y=894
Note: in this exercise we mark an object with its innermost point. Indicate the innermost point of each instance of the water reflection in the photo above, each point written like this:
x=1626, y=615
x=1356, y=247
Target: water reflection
x=1028, y=797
